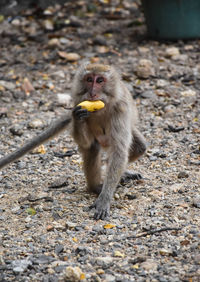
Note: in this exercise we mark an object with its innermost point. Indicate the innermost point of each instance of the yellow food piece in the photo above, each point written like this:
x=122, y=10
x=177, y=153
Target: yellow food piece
x=92, y=106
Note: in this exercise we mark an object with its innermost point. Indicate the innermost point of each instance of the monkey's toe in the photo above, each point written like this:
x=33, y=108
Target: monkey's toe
x=128, y=176
x=102, y=209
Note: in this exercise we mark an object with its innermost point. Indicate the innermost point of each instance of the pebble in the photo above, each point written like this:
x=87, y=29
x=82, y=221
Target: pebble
x=60, y=74
x=54, y=42
x=183, y=174
x=196, y=202
x=165, y=252
x=118, y=254
x=73, y=274
x=188, y=93
x=161, y=83
x=7, y=85
x=48, y=24
x=64, y=99
x=172, y=51
x=145, y=69
x=59, y=249
x=149, y=265
x=19, y=266
x=36, y=123
x=148, y=95
x=170, y=109
x=109, y=278
x=104, y=262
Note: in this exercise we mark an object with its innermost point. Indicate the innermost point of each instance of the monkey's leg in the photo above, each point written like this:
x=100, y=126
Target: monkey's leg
x=92, y=167
x=137, y=148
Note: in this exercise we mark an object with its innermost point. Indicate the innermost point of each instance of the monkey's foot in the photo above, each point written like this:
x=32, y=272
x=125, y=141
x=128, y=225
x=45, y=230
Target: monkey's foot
x=128, y=175
x=102, y=208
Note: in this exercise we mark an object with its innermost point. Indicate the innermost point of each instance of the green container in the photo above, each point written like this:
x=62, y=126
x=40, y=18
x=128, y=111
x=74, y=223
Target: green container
x=172, y=19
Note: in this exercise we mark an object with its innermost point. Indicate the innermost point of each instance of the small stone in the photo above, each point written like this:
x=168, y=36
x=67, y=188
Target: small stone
x=143, y=50
x=196, y=202
x=172, y=51
x=188, y=47
x=64, y=99
x=118, y=254
x=116, y=196
x=27, y=87
x=109, y=278
x=161, y=83
x=169, y=109
x=71, y=57
x=59, y=73
x=51, y=271
x=7, y=85
x=165, y=252
x=50, y=227
x=59, y=249
x=16, y=22
x=197, y=259
x=104, y=262
x=145, y=69
x=48, y=25
x=64, y=40
x=183, y=174
x=16, y=130
x=20, y=265
x=149, y=265
x=188, y=93
x=36, y=123
x=100, y=271
x=73, y=274
x=70, y=225
x=153, y=158
x=148, y=94
x=54, y=42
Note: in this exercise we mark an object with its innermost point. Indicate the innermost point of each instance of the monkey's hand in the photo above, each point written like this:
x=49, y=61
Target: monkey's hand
x=102, y=208
x=80, y=114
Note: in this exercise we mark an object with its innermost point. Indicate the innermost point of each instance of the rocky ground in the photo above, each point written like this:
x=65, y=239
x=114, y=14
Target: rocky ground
x=47, y=233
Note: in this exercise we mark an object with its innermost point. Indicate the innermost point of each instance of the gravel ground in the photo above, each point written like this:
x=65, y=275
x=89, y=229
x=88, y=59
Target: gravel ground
x=46, y=231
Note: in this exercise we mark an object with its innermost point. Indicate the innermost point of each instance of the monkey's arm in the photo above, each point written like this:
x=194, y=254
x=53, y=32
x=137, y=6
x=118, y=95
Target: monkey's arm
x=80, y=131
x=53, y=130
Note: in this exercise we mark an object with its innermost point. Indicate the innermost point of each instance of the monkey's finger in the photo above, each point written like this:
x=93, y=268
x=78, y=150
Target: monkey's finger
x=81, y=113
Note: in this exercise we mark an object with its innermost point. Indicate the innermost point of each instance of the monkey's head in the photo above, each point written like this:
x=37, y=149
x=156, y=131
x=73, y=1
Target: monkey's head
x=95, y=82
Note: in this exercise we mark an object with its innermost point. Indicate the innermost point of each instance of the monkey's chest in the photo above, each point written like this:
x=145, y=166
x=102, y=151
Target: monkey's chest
x=100, y=135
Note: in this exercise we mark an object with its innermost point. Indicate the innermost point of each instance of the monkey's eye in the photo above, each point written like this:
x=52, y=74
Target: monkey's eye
x=89, y=79
x=100, y=79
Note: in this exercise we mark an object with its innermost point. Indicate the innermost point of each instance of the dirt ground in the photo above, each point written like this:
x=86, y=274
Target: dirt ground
x=47, y=233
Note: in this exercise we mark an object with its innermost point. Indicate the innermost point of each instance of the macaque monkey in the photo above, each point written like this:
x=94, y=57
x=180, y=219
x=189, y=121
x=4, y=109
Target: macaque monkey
x=112, y=128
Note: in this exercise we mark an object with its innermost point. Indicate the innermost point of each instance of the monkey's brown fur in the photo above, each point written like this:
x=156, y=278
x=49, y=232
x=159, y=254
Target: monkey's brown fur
x=112, y=128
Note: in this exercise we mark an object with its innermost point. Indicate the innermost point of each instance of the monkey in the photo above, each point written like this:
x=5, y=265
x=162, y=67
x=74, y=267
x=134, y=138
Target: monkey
x=112, y=128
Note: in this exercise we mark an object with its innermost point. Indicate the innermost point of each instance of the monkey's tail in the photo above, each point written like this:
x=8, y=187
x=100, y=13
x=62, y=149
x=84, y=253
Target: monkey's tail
x=52, y=131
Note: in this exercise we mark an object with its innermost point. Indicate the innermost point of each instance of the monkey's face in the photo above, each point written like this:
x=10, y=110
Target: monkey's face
x=94, y=85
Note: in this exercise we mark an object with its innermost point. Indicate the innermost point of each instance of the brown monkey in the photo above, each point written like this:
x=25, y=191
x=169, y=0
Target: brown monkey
x=112, y=128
